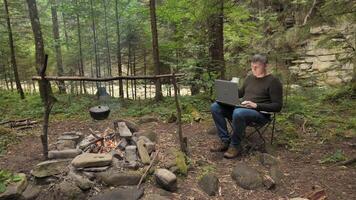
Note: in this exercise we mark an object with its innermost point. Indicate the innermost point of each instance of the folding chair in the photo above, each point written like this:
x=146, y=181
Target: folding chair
x=259, y=129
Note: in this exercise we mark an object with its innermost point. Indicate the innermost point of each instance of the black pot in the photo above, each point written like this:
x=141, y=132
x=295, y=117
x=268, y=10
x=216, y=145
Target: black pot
x=99, y=112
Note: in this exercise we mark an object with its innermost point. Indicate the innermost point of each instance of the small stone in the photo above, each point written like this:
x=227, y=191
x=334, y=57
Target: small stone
x=268, y=182
x=150, y=146
x=74, y=133
x=166, y=179
x=15, y=189
x=122, y=144
x=131, y=193
x=31, y=192
x=119, y=178
x=268, y=160
x=147, y=119
x=94, y=169
x=130, y=124
x=86, y=142
x=298, y=198
x=92, y=160
x=68, y=153
x=65, y=144
x=50, y=168
x=75, y=138
x=209, y=184
x=124, y=130
x=131, y=165
x=68, y=190
x=151, y=135
x=80, y=180
x=142, y=151
x=246, y=177
x=130, y=153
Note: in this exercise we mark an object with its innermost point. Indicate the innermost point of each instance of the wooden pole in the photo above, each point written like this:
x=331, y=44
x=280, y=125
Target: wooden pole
x=182, y=140
x=104, y=79
x=48, y=101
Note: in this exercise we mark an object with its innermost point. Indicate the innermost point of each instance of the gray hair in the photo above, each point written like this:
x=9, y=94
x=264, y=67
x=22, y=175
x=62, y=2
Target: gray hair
x=259, y=58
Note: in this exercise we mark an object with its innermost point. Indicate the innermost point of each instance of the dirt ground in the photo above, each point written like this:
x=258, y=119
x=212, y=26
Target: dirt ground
x=301, y=169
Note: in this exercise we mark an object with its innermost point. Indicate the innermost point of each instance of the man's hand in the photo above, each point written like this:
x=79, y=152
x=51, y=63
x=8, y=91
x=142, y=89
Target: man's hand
x=249, y=104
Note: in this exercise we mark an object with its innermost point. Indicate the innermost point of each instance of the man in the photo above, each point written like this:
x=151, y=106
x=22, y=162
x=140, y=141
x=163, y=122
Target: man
x=260, y=91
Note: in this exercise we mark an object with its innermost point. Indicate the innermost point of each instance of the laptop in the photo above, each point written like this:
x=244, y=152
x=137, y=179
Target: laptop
x=227, y=92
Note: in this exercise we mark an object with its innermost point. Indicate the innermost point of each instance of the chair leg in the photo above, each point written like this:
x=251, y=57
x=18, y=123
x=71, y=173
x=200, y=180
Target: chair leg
x=273, y=125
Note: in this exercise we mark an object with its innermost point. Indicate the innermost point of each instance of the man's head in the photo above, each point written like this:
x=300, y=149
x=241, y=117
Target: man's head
x=258, y=65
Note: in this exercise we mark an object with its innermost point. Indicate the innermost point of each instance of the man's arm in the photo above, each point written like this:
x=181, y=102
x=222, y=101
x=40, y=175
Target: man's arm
x=276, y=95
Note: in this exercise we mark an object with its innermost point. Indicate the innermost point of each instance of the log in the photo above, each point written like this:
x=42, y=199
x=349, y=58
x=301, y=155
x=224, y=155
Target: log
x=104, y=79
x=22, y=123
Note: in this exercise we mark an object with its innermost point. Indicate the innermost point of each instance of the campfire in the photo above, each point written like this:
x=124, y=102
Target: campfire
x=103, y=142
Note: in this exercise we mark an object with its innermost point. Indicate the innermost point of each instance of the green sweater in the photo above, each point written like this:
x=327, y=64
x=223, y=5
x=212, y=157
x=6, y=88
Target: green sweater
x=266, y=92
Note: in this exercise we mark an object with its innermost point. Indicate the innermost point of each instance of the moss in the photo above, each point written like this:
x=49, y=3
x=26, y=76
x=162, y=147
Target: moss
x=181, y=163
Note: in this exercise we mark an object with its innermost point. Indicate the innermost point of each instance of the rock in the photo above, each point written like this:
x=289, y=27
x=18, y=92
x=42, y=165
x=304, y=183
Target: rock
x=80, y=180
x=46, y=180
x=50, y=168
x=268, y=182
x=130, y=124
x=94, y=169
x=212, y=130
x=68, y=190
x=86, y=142
x=75, y=138
x=131, y=193
x=155, y=197
x=142, y=151
x=31, y=192
x=149, y=134
x=74, y=133
x=122, y=144
x=124, y=130
x=147, y=119
x=276, y=174
x=268, y=160
x=209, y=184
x=92, y=160
x=150, y=146
x=15, y=189
x=130, y=153
x=298, y=198
x=246, y=177
x=166, y=179
x=67, y=153
x=131, y=165
x=119, y=178
x=65, y=144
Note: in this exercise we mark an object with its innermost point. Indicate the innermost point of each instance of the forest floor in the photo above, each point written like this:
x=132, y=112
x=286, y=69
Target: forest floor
x=309, y=142
x=301, y=168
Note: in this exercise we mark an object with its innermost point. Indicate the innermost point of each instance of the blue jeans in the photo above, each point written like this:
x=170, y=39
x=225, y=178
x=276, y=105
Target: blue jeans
x=240, y=118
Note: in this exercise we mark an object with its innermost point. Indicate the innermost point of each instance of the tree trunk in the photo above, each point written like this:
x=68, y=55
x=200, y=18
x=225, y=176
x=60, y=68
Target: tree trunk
x=216, y=37
x=57, y=45
x=41, y=62
x=155, y=49
x=12, y=51
x=81, y=64
x=97, y=64
x=118, y=50
x=108, y=56
x=145, y=71
x=134, y=73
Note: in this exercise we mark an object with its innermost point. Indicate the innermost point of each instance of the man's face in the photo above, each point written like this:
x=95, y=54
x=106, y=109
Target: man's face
x=258, y=68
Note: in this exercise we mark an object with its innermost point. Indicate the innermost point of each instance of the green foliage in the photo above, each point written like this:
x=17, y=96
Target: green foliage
x=204, y=170
x=340, y=94
x=335, y=157
x=181, y=163
x=7, y=177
